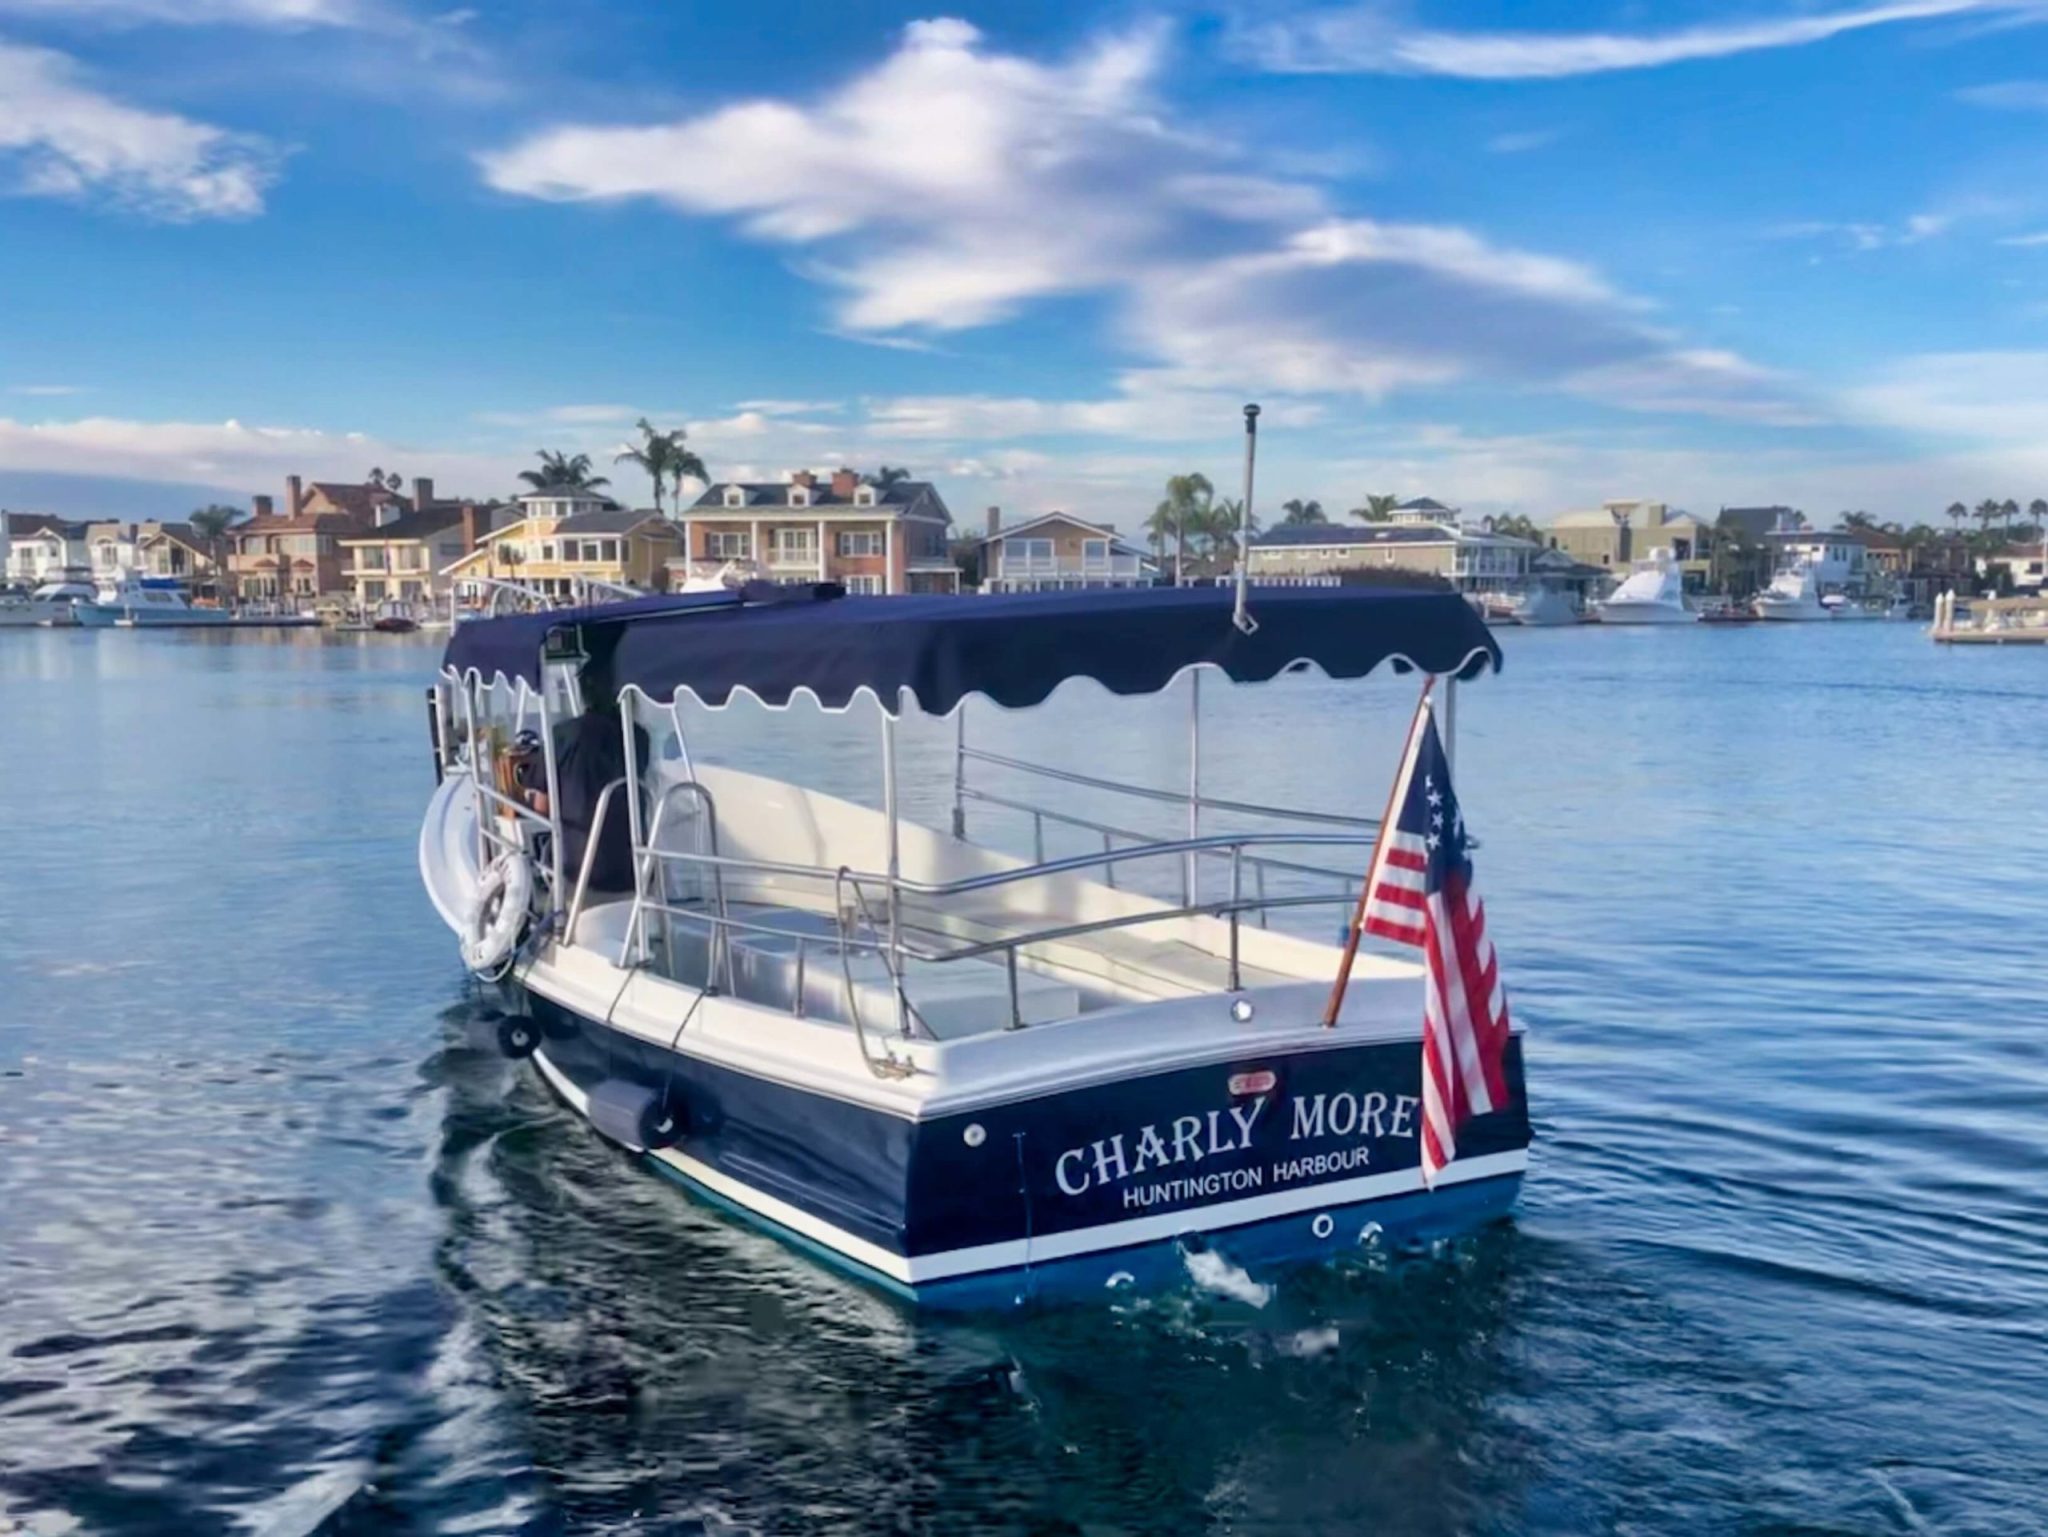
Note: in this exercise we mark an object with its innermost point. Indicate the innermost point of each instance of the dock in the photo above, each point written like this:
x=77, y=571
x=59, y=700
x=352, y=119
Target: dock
x=1990, y=621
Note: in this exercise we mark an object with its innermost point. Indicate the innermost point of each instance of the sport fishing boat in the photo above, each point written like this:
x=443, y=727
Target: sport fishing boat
x=1793, y=597
x=968, y=1076
x=1653, y=594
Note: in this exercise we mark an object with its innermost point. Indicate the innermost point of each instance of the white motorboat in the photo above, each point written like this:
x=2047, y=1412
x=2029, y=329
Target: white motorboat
x=1844, y=609
x=966, y=1076
x=53, y=604
x=1654, y=593
x=1792, y=597
x=147, y=603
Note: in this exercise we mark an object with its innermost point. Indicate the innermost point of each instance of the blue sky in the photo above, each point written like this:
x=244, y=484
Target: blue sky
x=1521, y=257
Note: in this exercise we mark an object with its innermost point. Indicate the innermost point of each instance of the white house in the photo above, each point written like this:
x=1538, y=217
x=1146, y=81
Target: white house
x=44, y=549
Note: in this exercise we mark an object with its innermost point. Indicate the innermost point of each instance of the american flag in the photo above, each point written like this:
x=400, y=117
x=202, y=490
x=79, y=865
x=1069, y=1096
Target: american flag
x=1419, y=892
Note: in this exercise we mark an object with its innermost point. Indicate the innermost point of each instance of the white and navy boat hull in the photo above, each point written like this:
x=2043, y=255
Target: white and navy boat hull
x=1065, y=1192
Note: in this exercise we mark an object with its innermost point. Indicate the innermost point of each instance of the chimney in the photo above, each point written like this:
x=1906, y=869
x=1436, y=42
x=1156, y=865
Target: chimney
x=422, y=492
x=995, y=521
x=471, y=531
x=803, y=478
x=262, y=504
x=294, y=496
x=843, y=482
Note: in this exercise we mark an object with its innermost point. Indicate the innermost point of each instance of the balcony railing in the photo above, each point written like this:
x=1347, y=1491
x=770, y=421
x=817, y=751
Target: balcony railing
x=1066, y=565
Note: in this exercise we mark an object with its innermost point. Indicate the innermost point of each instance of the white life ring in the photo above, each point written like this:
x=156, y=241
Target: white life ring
x=499, y=912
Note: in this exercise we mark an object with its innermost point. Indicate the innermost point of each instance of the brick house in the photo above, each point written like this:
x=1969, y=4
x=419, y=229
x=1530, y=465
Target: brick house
x=406, y=556
x=846, y=528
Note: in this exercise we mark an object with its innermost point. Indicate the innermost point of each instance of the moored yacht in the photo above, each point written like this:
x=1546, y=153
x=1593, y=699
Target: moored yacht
x=1792, y=596
x=964, y=1075
x=146, y=602
x=53, y=604
x=1654, y=593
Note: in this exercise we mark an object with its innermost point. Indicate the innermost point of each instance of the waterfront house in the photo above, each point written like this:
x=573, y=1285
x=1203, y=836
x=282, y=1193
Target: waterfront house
x=292, y=555
x=844, y=528
x=564, y=537
x=1621, y=531
x=1426, y=510
x=1324, y=553
x=42, y=548
x=1058, y=551
x=2017, y=568
x=405, y=556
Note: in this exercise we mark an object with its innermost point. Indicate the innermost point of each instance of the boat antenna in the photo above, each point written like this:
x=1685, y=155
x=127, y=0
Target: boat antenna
x=1240, y=616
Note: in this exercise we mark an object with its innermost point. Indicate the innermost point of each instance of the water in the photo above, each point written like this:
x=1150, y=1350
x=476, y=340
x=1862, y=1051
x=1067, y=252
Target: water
x=285, y=1247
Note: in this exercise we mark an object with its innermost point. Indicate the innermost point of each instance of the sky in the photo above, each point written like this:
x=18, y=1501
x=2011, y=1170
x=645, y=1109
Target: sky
x=1521, y=258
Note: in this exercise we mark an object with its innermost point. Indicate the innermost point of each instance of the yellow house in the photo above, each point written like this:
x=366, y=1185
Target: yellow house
x=565, y=538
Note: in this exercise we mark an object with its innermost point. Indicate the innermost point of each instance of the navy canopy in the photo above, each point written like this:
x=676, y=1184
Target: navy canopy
x=1012, y=648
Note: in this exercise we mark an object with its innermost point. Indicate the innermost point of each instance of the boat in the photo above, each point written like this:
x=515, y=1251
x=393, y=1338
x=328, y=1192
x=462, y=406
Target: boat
x=144, y=603
x=1792, y=597
x=1843, y=608
x=1654, y=593
x=1546, y=604
x=51, y=605
x=967, y=1077
x=394, y=619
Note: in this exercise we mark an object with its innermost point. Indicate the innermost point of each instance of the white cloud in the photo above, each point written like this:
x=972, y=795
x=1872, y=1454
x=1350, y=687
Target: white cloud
x=45, y=389
x=1523, y=142
x=950, y=185
x=2008, y=95
x=2039, y=237
x=231, y=453
x=1988, y=399
x=1372, y=39
x=61, y=138
x=262, y=13
x=953, y=183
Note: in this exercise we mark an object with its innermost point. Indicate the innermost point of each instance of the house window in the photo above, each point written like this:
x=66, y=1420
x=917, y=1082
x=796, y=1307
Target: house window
x=796, y=544
x=863, y=586
x=1095, y=551
x=799, y=496
x=728, y=544
x=1035, y=551
x=735, y=497
x=864, y=496
x=861, y=541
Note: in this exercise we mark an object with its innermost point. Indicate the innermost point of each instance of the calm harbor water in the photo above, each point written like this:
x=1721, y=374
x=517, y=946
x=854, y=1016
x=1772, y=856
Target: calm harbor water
x=285, y=1247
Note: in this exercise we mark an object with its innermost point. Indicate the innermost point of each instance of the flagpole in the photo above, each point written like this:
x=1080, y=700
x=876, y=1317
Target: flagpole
x=1379, y=848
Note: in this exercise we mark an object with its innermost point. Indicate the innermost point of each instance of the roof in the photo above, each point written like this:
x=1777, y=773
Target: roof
x=1820, y=535
x=1102, y=529
x=1757, y=521
x=1013, y=648
x=1421, y=504
x=562, y=491
x=360, y=499
x=608, y=520
x=410, y=525
x=26, y=525
x=1351, y=533
x=906, y=498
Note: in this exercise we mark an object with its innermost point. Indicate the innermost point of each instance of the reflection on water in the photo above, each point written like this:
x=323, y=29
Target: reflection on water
x=287, y=1247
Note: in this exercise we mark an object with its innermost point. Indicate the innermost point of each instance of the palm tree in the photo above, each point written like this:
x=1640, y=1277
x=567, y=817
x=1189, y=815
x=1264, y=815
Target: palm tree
x=1298, y=512
x=1857, y=520
x=1183, y=512
x=1218, y=527
x=558, y=469
x=376, y=476
x=2008, y=514
x=1377, y=509
x=1986, y=513
x=211, y=523
x=888, y=475
x=653, y=454
x=1955, y=514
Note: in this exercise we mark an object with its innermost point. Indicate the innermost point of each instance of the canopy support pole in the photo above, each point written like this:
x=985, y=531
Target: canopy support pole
x=1450, y=717
x=960, y=772
x=1190, y=872
x=1240, y=615
x=895, y=870
x=636, y=930
x=547, y=745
